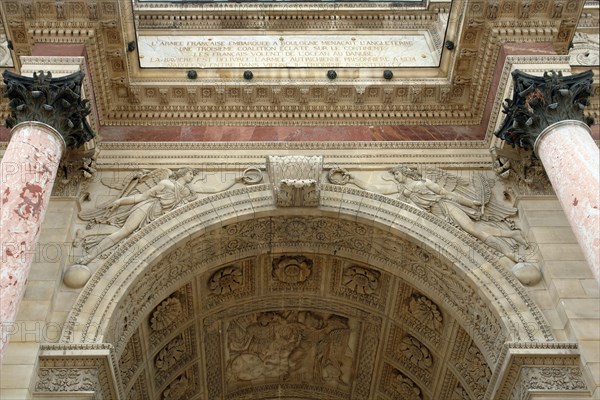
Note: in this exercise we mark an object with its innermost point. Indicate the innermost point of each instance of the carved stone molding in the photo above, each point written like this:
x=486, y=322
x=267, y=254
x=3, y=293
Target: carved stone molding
x=77, y=368
x=127, y=94
x=540, y=368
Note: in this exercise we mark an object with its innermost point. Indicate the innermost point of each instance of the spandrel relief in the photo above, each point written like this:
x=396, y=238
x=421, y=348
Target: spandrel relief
x=468, y=204
x=143, y=197
x=291, y=346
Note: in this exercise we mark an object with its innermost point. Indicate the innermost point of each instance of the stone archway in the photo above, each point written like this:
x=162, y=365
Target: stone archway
x=179, y=260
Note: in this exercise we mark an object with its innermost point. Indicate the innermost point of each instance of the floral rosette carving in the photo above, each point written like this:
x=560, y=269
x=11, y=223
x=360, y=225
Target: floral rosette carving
x=361, y=280
x=426, y=311
x=177, y=388
x=226, y=280
x=291, y=270
x=166, y=313
x=405, y=386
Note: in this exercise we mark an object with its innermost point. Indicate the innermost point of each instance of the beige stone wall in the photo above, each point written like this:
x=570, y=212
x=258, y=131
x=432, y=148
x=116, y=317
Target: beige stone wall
x=568, y=295
x=40, y=314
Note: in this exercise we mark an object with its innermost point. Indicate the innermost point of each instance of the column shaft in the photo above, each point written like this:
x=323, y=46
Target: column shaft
x=28, y=170
x=572, y=162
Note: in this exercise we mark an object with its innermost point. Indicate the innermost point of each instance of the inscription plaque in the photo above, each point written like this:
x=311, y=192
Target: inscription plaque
x=287, y=51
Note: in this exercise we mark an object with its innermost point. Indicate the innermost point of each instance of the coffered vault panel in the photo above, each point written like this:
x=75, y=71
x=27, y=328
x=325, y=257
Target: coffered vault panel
x=302, y=326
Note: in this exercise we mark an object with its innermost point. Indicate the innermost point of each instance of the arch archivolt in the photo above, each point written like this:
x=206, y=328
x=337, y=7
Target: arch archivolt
x=416, y=260
x=426, y=310
x=392, y=229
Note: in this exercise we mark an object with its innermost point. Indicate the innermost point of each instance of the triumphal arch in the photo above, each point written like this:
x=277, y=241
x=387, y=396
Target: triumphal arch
x=300, y=200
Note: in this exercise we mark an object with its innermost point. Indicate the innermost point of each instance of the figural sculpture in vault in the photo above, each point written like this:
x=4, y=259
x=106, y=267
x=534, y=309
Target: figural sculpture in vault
x=466, y=205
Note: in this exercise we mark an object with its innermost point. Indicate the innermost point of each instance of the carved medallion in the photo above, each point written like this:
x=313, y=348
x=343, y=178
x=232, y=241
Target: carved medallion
x=361, y=280
x=226, y=280
x=165, y=314
x=288, y=269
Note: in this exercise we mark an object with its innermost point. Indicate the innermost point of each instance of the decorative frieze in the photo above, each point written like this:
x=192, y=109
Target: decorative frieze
x=67, y=380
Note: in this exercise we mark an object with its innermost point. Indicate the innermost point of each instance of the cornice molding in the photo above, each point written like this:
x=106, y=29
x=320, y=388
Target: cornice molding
x=455, y=93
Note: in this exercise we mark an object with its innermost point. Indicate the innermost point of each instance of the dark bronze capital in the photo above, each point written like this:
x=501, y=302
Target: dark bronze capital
x=540, y=101
x=53, y=101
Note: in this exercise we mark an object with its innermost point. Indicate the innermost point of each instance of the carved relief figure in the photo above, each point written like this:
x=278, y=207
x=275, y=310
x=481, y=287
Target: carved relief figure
x=144, y=197
x=441, y=197
x=289, y=345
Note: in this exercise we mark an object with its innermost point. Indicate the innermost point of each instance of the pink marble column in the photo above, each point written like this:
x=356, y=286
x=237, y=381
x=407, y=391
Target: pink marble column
x=28, y=171
x=572, y=162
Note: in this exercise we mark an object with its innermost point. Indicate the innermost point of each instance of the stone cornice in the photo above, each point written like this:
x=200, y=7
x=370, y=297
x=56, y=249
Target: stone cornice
x=454, y=93
x=516, y=357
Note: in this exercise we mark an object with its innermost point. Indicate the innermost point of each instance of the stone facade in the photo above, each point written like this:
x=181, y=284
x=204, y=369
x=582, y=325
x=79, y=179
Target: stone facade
x=360, y=265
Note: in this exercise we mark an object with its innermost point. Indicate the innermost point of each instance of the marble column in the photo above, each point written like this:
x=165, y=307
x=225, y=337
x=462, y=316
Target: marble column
x=47, y=117
x=571, y=160
x=28, y=170
x=546, y=115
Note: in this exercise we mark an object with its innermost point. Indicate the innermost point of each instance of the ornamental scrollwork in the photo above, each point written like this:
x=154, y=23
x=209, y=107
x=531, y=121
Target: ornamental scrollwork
x=67, y=379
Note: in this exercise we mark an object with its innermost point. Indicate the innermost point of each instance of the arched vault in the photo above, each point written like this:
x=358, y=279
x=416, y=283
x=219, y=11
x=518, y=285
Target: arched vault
x=362, y=297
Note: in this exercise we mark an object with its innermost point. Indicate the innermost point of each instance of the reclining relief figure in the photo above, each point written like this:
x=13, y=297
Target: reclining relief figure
x=465, y=205
x=144, y=197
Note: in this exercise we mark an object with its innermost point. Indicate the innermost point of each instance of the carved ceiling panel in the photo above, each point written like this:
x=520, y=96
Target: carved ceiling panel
x=454, y=92
x=299, y=325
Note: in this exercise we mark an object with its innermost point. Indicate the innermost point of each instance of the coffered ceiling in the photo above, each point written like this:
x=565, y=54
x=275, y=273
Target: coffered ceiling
x=151, y=63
